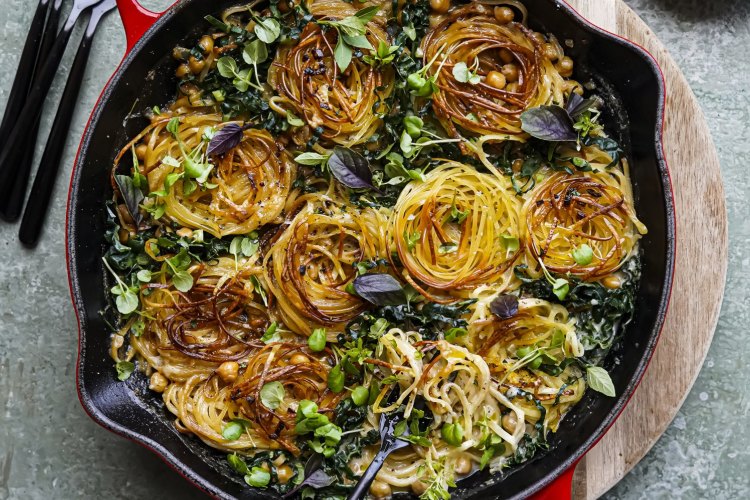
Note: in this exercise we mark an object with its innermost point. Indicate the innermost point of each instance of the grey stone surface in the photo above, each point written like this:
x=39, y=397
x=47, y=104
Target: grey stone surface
x=49, y=448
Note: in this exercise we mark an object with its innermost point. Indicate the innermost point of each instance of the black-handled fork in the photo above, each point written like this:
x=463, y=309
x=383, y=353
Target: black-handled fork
x=44, y=182
x=25, y=72
x=11, y=154
x=389, y=443
x=13, y=202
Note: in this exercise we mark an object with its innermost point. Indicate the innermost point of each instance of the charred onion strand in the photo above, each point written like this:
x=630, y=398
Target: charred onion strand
x=567, y=212
x=471, y=35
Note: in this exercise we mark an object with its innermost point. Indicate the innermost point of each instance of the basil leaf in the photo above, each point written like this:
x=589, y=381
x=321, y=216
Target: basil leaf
x=228, y=137
x=359, y=41
x=600, y=381
x=310, y=159
x=367, y=14
x=342, y=53
x=549, y=123
x=249, y=246
x=577, y=105
x=124, y=370
x=315, y=476
x=380, y=289
x=350, y=168
x=132, y=196
x=272, y=394
x=504, y=306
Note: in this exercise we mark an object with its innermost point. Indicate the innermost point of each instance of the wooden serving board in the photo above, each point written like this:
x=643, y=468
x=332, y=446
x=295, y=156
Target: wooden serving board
x=701, y=251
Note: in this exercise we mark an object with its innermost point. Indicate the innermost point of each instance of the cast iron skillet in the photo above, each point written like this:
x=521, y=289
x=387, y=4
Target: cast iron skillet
x=634, y=91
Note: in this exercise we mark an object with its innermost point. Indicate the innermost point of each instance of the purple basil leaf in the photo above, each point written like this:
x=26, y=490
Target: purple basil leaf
x=318, y=479
x=132, y=196
x=504, y=306
x=549, y=123
x=350, y=168
x=225, y=139
x=315, y=476
x=577, y=105
x=380, y=289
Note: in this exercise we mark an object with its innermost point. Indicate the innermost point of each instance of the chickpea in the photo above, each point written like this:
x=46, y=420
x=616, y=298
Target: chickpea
x=379, y=489
x=440, y=6
x=504, y=15
x=538, y=37
x=157, y=382
x=418, y=487
x=496, y=79
x=284, y=473
x=182, y=102
x=184, y=232
x=512, y=87
x=436, y=19
x=298, y=359
x=510, y=72
x=506, y=56
x=140, y=151
x=573, y=86
x=566, y=66
x=182, y=71
x=180, y=53
x=463, y=465
x=196, y=65
x=124, y=236
x=612, y=282
x=228, y=371
x=509, y=422
x=550, y=52
x=206, y=44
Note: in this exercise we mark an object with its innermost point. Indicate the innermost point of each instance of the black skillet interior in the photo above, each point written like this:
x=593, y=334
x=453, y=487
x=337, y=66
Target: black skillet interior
x=633, y=86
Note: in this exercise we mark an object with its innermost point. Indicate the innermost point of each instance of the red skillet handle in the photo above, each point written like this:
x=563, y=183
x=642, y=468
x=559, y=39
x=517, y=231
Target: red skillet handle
x=136, y=19
x=559, y=489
